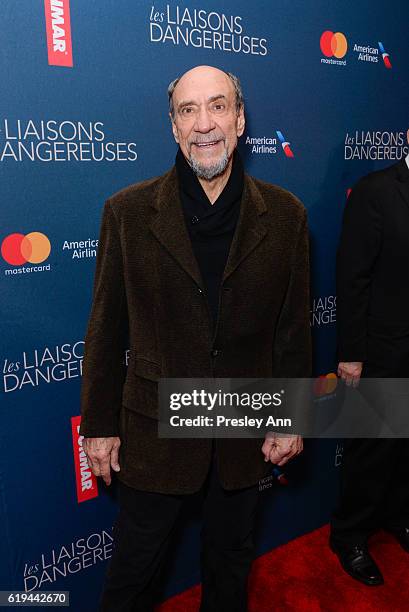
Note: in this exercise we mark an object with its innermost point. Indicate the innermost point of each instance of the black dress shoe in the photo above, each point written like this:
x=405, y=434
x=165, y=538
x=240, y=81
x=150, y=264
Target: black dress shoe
x=402, y=535
x=358, y=563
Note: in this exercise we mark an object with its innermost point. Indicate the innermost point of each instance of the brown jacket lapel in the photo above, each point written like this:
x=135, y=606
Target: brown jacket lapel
x=169, y=226
x=250, y=229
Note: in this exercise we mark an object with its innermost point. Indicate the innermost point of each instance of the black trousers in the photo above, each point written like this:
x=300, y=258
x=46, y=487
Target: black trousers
x=141, y=539
x=374, y=489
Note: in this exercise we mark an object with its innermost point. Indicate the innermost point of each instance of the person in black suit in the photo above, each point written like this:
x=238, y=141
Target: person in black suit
x=373, y=341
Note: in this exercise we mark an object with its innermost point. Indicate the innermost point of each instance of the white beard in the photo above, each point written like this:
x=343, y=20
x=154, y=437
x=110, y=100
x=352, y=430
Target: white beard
x=209, y=172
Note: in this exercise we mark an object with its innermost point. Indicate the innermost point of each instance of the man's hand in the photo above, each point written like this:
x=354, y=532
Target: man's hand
x=279, y=449
x=102, y=455
x=350, y=371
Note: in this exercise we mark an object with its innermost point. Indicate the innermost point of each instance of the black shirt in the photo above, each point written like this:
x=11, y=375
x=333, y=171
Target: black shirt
x=211, y=226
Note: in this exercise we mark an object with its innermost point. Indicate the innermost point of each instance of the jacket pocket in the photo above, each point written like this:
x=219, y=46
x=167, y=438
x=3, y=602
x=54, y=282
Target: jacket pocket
x=140, y=391
x=388, y=327
x=146, y=368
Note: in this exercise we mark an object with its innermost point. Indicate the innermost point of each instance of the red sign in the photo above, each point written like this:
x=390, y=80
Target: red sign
x=87, y=487
x=57, y=19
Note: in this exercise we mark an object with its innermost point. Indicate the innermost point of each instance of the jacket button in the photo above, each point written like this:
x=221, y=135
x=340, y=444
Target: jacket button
x=215, y=352
x=199, y=290
x=194, y=220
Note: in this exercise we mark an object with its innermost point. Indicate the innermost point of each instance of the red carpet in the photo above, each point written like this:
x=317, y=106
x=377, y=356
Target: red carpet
x=304, y=576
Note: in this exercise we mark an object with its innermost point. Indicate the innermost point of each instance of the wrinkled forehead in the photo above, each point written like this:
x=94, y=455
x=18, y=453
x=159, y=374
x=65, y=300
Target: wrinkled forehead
x=199, y=87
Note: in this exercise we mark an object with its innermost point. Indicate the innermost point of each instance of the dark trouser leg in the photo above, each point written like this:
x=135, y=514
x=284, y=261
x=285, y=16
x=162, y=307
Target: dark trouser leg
x=141, y=536
x=396, y=503
x=227, y=546
x=366, y=474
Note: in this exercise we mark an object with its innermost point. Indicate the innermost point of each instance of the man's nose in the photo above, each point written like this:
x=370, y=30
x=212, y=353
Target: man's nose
x=204, y=121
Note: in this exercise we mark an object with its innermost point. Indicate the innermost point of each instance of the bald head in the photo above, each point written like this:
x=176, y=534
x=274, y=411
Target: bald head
x=198, y=77
x=203, y=72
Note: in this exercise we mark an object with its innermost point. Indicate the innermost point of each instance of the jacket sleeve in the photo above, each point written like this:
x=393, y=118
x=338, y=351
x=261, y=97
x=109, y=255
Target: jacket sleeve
x=357, y=252
x=105, y=341
x=292, y=345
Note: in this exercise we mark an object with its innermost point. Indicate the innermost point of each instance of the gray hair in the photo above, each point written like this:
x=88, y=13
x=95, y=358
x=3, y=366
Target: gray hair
x=237, y=90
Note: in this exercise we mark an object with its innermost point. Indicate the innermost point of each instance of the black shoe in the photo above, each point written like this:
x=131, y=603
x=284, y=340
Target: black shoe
x=402, y=535
x=358, y=563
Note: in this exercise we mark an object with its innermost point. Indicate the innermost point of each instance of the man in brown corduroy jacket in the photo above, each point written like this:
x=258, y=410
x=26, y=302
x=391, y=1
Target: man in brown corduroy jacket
x=204, y=271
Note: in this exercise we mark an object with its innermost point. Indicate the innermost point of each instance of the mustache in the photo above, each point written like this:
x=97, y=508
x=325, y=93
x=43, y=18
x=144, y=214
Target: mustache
x=205, y=139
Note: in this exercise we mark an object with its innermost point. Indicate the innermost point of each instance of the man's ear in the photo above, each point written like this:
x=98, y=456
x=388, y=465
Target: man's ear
x=174, y=129
x=241, y=122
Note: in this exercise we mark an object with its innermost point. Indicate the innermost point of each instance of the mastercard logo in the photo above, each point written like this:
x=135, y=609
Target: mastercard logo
x=326, y=384
x=333, y=44
x=18, y=249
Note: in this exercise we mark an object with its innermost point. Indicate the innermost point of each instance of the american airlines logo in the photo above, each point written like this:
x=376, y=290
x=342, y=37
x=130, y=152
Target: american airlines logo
x=87, y=487
x=57, y=19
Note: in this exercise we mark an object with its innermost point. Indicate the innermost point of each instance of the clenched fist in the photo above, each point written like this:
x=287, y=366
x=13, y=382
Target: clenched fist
x=350, y=371
x=280, y=449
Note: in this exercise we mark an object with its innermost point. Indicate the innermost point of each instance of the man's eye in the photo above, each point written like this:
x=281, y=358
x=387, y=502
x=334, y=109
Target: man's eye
x=218, y=107
x=187, y=110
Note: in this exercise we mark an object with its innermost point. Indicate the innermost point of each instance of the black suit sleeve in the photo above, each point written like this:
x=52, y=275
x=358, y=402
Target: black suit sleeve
x=357, y=254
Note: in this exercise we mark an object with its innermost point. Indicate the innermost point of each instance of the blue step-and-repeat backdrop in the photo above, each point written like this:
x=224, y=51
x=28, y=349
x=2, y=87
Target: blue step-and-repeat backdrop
x=83, y=113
